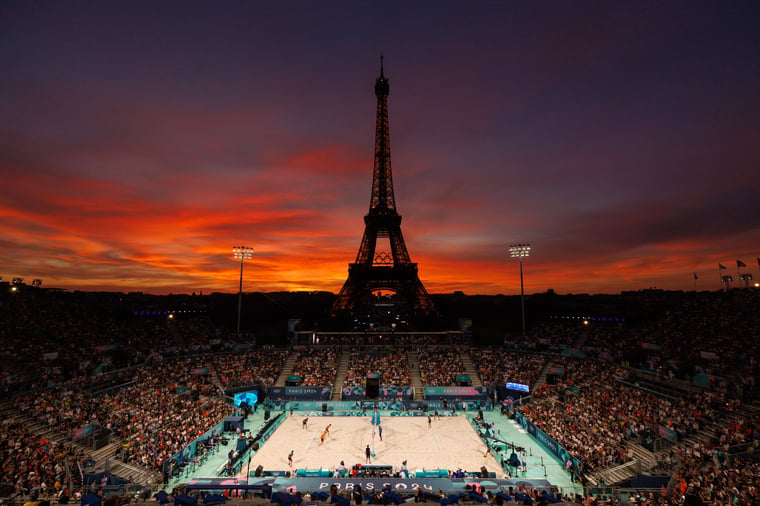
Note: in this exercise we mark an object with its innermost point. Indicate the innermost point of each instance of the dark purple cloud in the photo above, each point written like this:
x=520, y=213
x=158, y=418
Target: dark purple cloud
x=139, y=141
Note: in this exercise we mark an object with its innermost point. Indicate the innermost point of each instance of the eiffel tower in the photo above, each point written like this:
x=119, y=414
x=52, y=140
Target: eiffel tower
x=376, y=269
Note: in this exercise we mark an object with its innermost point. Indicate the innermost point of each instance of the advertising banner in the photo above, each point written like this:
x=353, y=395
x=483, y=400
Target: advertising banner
x=405, y=486
x=300, y=393
x=83, y=431
x=359, y=393
x=667, y=433
x=463, y=393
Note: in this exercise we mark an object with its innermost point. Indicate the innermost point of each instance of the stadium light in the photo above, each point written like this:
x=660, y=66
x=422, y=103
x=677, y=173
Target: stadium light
x=241, y=253
x=520, y=251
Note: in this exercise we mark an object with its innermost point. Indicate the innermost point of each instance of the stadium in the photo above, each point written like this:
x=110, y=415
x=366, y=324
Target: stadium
x=129, y=127
x=109, y=397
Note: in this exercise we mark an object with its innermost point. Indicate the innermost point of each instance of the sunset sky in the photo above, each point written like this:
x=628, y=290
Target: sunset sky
x=140, y=141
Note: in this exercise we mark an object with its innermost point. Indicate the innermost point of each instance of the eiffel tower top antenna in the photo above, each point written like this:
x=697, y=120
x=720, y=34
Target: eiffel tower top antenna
x=382, y=88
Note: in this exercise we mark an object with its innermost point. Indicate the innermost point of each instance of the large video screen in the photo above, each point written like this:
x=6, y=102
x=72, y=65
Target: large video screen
x=251, y=398
x=518, y=386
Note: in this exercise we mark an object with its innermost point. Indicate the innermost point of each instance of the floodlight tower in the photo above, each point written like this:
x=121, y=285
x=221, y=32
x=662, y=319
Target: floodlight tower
x=521, y=251
x=241, y=253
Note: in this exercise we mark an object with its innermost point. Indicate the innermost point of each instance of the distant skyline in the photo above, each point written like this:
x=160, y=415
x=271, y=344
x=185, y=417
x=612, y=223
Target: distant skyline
x=140, y=141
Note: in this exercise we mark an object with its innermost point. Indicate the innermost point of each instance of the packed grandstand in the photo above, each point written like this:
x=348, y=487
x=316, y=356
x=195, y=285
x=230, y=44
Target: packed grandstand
x=673, y=398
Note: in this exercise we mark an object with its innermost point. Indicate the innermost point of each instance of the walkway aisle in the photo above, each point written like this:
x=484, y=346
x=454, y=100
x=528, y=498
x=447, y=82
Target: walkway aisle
x=540, y=462
x=217, y=461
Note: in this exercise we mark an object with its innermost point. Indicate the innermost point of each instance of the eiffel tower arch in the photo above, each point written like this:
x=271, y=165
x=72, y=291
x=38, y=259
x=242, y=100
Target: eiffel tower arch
x=383, y=263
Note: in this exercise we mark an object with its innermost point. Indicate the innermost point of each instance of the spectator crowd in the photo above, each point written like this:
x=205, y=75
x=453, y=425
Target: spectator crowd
x=393, y=368
x=70, y=361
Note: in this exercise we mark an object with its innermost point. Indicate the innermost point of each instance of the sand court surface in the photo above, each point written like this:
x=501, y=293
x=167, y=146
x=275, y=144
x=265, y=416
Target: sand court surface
x=449, y=443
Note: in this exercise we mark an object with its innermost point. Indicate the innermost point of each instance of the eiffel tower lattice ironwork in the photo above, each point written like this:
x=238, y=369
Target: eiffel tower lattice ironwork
x=373, y=269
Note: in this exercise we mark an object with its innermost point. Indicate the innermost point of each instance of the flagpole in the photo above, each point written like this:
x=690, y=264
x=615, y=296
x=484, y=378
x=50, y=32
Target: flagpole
x=721, y=267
